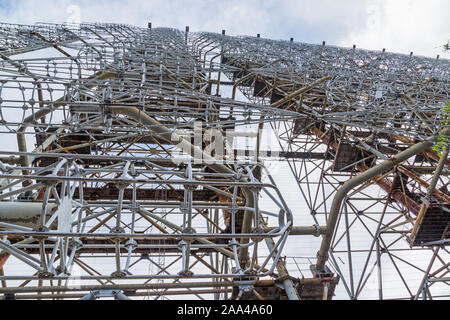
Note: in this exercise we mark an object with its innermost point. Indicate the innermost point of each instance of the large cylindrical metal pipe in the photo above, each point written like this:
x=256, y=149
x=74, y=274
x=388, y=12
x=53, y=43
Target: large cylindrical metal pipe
x=360, y=179
x=26, y=214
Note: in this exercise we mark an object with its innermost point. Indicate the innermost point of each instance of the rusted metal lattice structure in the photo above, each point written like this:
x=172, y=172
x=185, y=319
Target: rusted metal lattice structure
x=107, y=205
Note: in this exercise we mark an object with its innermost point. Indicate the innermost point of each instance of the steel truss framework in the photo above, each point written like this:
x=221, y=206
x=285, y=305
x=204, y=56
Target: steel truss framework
x=103, y=197
x=373, y=106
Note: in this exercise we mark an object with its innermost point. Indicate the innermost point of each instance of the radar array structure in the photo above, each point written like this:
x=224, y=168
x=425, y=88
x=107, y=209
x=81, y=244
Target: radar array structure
x=136, y=187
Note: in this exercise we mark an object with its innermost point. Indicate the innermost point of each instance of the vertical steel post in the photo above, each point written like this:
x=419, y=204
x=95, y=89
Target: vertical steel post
x=380, y=279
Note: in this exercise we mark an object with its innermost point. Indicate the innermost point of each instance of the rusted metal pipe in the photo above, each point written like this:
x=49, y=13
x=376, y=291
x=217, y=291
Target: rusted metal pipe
x=304, y=231
x=429, y=153
x=341, y=194
x=3, y=258
x=381, y=181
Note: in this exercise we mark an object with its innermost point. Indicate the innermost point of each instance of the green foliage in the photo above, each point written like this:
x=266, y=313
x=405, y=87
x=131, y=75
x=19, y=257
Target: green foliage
x=446, y=115
x=442, y=140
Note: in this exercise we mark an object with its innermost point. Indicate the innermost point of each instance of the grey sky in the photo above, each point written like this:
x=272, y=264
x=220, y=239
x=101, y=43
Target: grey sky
x=397, y=25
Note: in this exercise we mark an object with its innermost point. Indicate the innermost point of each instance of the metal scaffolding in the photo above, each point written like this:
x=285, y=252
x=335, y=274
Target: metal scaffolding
x=137, y=186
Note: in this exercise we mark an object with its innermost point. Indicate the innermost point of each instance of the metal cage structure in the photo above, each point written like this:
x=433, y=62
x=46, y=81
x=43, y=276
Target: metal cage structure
x=137, y=186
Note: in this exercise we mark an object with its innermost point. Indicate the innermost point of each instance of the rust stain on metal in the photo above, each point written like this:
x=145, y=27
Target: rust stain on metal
x=3, y=258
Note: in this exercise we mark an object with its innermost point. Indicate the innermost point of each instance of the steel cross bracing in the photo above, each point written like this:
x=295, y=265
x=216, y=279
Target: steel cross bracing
x=373, y=106
x=110, y=106
x=105, y=193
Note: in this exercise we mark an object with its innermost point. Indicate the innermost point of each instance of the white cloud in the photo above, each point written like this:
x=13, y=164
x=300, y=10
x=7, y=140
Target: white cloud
x=399, y=26
x=404, y=26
